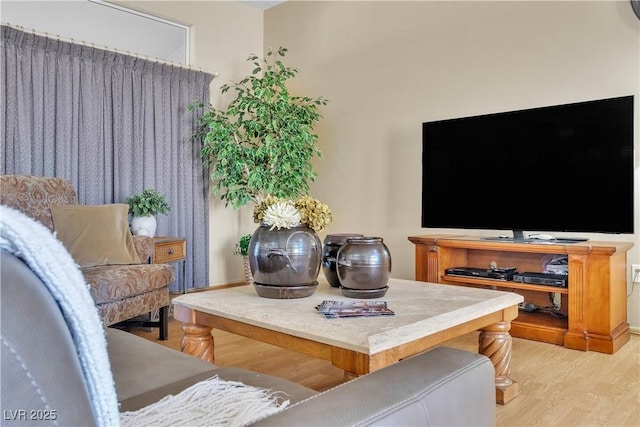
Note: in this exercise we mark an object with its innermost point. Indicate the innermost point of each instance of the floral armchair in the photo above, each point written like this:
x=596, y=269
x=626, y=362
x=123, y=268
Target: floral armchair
x=121, y=280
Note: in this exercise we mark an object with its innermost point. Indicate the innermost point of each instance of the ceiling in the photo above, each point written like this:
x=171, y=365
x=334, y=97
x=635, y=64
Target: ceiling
x=262, y=4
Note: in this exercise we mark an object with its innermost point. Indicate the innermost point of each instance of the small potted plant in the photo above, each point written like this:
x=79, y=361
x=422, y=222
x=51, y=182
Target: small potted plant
x=144, y=207
x=242, y=248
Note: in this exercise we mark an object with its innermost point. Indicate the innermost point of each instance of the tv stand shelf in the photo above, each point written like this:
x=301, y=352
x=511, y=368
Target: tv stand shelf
x=502, y=284
x=594, y=302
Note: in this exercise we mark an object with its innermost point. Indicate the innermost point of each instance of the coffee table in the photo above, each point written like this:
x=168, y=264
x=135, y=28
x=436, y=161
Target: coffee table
x=426, y=315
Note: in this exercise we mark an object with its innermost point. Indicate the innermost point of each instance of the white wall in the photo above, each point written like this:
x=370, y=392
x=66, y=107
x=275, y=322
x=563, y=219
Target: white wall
x=386, y=67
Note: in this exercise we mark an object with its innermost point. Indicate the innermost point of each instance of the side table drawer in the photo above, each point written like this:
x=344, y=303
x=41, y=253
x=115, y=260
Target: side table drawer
x=174, y=250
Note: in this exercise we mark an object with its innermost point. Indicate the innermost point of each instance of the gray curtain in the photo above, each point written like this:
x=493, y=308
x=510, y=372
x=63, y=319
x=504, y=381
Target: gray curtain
x=113, y=125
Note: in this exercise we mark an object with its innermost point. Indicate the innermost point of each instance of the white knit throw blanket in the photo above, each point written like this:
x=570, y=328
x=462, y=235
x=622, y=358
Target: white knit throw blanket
x=212, y=402
x=52, y=263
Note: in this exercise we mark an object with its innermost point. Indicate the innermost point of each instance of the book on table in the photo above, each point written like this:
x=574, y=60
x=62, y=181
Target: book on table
x=336, y=309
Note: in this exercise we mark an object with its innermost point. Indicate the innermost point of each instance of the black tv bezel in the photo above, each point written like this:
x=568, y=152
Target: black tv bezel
x=626, y=226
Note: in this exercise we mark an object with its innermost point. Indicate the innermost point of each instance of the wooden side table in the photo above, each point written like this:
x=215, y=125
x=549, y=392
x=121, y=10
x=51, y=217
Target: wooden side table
x=171, y=249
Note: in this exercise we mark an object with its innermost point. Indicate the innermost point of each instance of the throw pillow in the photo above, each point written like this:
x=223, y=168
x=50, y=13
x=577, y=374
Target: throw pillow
x=95, y=234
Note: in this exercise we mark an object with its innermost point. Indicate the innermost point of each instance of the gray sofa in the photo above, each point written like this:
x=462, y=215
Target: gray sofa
x=41, y=373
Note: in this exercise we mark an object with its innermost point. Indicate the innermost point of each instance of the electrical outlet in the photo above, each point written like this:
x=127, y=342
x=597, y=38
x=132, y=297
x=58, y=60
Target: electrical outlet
x=635, y=272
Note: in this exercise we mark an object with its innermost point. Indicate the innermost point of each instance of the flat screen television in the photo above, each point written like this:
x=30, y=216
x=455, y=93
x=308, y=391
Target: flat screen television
x=562, y=168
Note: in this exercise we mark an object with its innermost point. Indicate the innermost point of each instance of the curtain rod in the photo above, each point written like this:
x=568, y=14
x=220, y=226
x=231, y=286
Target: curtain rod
x=83, y=43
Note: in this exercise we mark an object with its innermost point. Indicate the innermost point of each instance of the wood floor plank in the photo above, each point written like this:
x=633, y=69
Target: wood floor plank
x=558, y=386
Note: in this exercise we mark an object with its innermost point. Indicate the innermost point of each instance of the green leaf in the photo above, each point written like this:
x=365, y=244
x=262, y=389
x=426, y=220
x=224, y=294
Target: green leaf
x=149, y=202
x=264, y=142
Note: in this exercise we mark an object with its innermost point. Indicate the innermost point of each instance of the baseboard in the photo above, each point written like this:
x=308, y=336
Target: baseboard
x=209, y=288
x=226, y=285
x=634, y=330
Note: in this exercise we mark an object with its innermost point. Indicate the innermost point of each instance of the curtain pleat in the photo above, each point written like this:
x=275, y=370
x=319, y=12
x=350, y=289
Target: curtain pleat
x=113, y=125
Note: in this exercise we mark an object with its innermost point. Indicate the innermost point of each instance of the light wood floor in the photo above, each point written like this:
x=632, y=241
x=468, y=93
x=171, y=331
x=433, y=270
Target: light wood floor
x=558, y=387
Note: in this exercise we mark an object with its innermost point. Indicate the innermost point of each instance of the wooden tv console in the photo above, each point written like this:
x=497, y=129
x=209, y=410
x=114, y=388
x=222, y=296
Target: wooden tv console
x=594, y=303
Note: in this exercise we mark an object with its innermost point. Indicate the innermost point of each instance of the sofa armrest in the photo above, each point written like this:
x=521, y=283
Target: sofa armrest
x=41, y=371
x=444, y=386
x=144, y=247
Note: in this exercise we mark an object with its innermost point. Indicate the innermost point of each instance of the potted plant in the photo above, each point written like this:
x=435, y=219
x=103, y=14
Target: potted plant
x=242, y=249
x=260, y=149
x=144, y=207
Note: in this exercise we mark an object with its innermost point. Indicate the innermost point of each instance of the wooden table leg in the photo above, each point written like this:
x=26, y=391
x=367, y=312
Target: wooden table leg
x=495, y=343
x=197, y=341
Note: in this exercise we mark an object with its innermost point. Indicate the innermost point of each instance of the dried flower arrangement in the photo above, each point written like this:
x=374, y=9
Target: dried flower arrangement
x=283, y=213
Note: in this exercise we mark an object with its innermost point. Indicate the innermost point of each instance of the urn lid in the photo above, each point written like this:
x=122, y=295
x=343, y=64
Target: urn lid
x=339, y=239
x=365, y=239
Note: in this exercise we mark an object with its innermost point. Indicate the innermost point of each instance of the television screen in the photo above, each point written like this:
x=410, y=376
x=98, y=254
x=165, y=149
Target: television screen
x=559, y=168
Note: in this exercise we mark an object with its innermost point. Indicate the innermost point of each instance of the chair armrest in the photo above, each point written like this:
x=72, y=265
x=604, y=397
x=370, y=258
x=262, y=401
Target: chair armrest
x=144, y=247
x=444, y=386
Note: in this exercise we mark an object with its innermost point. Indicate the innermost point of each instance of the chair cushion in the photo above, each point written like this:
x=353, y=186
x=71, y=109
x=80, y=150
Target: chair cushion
x=109, y=283
x=137, y=306
x=145, y=372
x=95, y=235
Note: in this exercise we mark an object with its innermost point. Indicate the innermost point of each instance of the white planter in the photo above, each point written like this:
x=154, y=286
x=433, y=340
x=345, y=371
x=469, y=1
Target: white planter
x=144, y=225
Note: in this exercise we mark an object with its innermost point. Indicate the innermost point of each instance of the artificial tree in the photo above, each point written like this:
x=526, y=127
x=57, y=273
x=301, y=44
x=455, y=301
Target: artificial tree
x=260, y=149
x=263, y=143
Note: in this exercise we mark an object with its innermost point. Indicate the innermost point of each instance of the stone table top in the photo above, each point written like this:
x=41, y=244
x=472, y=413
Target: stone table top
x=421, y=309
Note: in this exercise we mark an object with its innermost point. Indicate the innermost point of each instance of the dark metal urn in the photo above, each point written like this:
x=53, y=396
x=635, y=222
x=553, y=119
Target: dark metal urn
x=364, y=267
x=285, y=263
x=332, y=244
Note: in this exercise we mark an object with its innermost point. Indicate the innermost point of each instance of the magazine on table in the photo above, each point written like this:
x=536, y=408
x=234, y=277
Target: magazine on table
x=336, y=309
